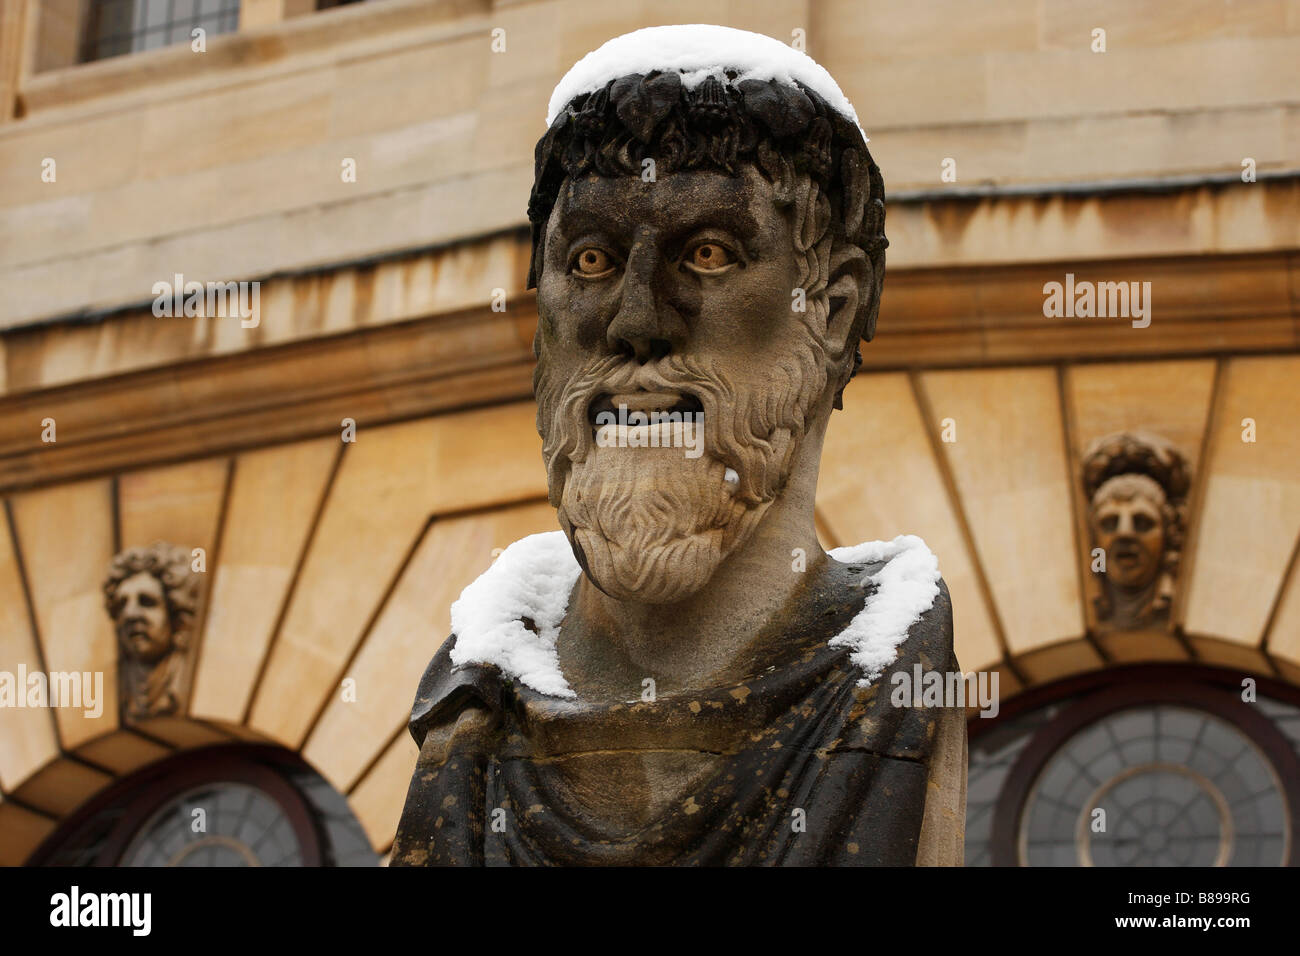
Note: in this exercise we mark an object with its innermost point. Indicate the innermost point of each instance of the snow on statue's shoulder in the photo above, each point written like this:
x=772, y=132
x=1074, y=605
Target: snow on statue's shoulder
x=533, y=578
x=905, y=589
x=697, y=51
x=530, y=579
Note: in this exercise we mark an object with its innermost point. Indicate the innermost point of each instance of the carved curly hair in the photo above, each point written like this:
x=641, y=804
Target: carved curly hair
x=790, y=134
x=171, y=566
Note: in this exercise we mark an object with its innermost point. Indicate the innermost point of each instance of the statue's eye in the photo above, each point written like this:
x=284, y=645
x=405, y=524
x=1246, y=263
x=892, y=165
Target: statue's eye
x=709, y=257
x=1109, y=523
x=593, y=263
x=1143, y=523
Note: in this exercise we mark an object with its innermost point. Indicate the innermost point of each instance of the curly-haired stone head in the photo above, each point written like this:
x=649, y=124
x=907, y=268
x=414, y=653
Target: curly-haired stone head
x=151, y=595
x=710, y=244
x=1137, y=487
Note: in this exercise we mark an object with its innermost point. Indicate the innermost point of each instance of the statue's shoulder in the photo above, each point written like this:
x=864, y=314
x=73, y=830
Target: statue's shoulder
x=907, y=612
x=891, y=715
x=929, y=636
x=932, y=631
x=521, y=595
x=447, y=688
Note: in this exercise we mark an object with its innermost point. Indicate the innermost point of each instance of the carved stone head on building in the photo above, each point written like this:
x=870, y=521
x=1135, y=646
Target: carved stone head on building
x=707, y=246
x=1137, y=488
x=152, y=595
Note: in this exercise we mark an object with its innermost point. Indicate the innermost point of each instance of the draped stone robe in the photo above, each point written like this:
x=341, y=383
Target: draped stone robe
x=795, y=765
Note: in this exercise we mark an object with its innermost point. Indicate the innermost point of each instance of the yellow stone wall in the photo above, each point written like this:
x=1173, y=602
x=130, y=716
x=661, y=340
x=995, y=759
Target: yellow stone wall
x=226, y=164
x=333, y=560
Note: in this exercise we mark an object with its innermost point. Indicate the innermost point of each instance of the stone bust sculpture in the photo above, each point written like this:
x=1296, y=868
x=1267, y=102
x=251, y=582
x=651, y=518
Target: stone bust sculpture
x=1137, y=489
x=683, y=675
x=151, y=595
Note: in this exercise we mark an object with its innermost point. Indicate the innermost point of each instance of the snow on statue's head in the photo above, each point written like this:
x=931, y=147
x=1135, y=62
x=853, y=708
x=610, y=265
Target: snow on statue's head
x=708, y=250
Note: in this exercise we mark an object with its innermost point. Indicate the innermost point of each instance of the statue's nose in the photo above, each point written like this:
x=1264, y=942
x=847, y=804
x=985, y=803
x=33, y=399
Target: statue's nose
x=645, y=327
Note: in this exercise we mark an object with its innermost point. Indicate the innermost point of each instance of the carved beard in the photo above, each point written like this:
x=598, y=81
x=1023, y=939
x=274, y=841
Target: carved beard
x=651, y=524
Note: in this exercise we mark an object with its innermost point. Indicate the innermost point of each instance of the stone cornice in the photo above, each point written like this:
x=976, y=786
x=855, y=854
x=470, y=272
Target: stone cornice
x=931, y=318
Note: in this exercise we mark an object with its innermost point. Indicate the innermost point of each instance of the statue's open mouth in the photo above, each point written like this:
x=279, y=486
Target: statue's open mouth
x=644, y=409
x=644, y=402
x=1127, y=555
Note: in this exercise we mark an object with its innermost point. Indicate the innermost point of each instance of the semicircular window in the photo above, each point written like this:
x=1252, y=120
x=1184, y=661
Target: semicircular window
x=222, y=824
x=231, y=805
x=1167, y=773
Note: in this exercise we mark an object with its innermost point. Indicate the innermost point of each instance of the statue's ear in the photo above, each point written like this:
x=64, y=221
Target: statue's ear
x=854, y=299
x=538, y=232
x=864, y=220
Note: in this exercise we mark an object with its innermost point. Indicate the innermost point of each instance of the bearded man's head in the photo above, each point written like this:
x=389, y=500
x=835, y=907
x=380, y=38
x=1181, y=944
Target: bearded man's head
x=708, y=250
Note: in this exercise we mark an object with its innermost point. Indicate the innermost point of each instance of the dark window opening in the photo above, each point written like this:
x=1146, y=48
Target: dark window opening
x=228, y=805
x=115, y=27
x=1151, y=765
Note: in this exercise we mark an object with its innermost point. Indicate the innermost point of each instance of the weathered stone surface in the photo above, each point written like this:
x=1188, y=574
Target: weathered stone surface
x=1137, y=489
x=707, y=260
x=794, y=765
x=152, y=596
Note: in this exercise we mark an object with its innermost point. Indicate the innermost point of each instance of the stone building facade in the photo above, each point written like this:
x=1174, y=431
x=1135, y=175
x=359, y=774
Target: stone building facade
x=347, y=452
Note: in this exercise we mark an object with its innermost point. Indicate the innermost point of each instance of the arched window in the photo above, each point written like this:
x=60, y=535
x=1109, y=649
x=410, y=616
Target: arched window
x=229, y=805
x=1150, y=766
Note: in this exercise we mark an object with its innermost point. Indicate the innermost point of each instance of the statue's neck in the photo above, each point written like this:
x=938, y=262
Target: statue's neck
x=1132, y=607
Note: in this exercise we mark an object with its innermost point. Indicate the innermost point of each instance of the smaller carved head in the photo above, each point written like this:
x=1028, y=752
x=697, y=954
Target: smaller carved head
x=1129, y=519
x=1137, y=486
x=151, y=595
